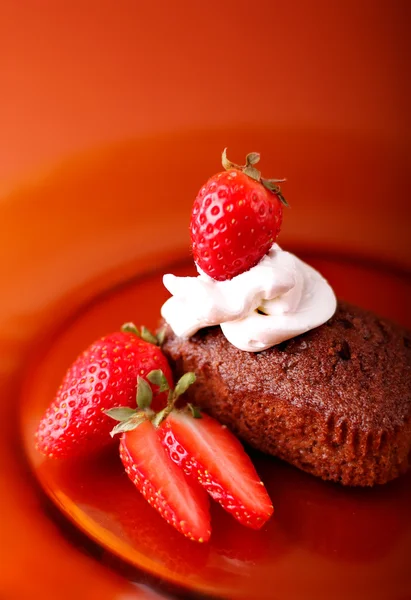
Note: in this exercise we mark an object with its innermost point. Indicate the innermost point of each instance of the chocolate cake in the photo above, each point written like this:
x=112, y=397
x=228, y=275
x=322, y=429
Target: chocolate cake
x=335, y=402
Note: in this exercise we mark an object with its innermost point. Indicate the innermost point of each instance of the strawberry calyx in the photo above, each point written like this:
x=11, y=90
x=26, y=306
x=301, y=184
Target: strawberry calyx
x=128, y=423
x=182, y=385
x=144, y=333
x=130, y=418
x=249, y=169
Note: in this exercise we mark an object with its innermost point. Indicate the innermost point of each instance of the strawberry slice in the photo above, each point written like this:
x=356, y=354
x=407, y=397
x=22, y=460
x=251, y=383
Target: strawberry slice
x=208, y=451
x=182, y=503
x=160, y=449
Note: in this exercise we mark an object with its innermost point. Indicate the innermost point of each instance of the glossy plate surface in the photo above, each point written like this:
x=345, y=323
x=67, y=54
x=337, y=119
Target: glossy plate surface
x=359, y=540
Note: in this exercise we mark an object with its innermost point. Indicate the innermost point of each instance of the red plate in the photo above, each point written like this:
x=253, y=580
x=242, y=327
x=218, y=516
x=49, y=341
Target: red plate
x=352, y=541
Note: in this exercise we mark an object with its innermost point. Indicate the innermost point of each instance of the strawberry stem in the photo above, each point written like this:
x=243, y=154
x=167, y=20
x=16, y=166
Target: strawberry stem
x=163, y=414
x=248, y=169
x=182, y=385
x=131, y=418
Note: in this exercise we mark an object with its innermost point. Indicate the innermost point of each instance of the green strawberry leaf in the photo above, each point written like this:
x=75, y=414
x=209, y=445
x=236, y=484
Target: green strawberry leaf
x=253, y=158
x=184, y=383
x=195, y=411
x=271, y=185
x=129, y=425
x=130, y=328
x=147, y=336
x=120, y=413
x=252, y=172
x=144, y=393
x=161, y=335
x=157, y=377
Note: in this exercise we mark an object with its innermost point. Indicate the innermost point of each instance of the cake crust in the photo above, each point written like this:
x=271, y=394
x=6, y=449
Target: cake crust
x=335, y=402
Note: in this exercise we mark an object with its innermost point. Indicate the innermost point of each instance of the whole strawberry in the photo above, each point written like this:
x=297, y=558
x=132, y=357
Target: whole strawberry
x=102, y=377
x=235, y=219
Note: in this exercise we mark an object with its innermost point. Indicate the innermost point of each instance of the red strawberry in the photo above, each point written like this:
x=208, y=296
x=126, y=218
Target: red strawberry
x=208, y=451
x=163, y=484
x=235, y=219
x=204, y=450
x=104, y=376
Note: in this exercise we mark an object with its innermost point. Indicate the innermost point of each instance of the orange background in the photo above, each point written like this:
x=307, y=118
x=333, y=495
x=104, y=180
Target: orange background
x=323, y=87
x=78, y=74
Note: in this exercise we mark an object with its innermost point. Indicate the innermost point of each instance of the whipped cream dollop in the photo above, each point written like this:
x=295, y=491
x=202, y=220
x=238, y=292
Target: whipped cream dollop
x=279, y=298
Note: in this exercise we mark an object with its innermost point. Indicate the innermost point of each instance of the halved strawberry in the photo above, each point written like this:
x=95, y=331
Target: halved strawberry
x=163, y=483
x=208, y=451
x=198, y=445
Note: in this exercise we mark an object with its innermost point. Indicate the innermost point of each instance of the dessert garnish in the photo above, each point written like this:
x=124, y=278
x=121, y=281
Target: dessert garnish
x=235, y=220
x=163, y=484
x=102, y=377
x=206, y=451
x=167, y=454
x=259, y=294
